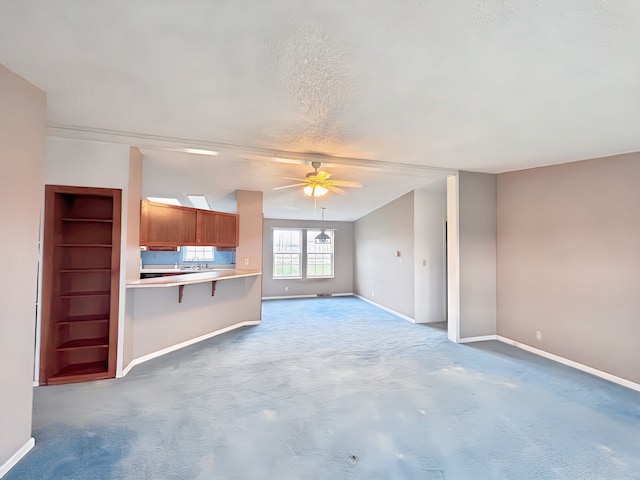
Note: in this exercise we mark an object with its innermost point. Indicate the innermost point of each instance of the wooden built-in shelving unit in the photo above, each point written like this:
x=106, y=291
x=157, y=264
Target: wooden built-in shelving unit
x=81, y=259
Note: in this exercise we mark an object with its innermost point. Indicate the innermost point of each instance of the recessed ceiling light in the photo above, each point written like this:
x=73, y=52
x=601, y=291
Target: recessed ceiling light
x=199, y=151
x=199, y=201
x=168, y=201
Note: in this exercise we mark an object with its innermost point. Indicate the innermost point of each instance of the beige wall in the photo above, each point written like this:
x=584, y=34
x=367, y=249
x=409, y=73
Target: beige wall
x=430, y=210
x=250, y=231
x=22, y=138
x=132, y=247
x=161, y=322
x=343, y=261
x=380, y=275
x=477, y=250
x=569, y=261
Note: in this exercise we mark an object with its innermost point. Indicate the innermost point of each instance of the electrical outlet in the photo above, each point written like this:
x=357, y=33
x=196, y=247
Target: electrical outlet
x=373, y=294
x=246, y=261
x=286, y=289
x=538, y=335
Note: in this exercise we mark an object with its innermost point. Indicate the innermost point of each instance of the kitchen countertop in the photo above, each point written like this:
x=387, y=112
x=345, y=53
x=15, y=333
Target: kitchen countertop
x=182, y=270
x=192, y=276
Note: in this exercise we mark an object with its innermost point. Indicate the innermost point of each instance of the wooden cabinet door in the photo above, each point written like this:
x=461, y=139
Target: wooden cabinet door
x=227, y=230
x=162, y=224
x=217, y=229
x=207, y=228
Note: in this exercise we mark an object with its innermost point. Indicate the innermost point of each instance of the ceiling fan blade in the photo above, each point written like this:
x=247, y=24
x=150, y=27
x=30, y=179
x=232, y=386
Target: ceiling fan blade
x=346, y=183
x=331, y=188
x=296, y=179
x=289, y=186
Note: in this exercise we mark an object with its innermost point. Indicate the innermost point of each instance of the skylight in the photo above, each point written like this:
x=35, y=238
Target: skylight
x=168, y=201
x=199, y=201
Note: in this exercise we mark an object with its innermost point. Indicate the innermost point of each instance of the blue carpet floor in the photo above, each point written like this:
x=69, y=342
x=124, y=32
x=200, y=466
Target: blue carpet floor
x=337, y=389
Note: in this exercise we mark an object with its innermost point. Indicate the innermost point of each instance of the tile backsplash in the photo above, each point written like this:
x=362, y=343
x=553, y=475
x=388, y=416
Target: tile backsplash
x=171, y=258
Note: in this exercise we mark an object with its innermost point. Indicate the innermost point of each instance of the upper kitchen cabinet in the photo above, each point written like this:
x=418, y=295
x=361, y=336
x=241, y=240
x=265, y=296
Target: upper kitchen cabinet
x=170, y=225
x=162, y=224
x=217, y=229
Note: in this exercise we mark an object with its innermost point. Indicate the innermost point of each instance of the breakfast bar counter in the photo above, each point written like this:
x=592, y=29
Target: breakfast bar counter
x=157, y=322
x=190, y=278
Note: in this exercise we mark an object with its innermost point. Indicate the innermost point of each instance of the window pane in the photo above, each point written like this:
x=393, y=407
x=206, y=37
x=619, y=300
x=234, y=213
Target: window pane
x=287, y=252
x=313, y=247
x=286, y=265
x=197, y=254
x=286, y=241
x=319, y=255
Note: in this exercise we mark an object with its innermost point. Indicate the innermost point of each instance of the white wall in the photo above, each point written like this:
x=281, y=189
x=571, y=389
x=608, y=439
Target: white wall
x=430, y=210
x=22, y=140
x=453, y=259
x=343, y=261
x=380, y=275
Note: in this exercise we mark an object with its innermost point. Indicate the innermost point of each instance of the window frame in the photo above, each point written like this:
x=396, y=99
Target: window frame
x=283, y=252
x=331, y=254
x=189, y=259
x=303, y=253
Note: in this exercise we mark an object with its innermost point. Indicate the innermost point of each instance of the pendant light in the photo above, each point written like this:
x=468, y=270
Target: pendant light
x=322, y=237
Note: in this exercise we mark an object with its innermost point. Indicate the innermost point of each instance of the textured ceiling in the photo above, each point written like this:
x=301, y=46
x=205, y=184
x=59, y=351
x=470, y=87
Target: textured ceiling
x=491, y=85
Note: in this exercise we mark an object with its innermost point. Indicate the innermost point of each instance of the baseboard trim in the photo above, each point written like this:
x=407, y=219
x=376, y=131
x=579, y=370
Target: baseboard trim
x=16, y=457
x=178, y=346
x=571, y=363
x=286, y=297
x=393, y=312
x=482, y=338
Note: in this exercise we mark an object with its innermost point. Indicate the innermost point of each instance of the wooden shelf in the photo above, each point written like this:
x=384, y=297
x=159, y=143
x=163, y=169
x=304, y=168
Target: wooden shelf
x=75, y=245
x=83, y=270
x=102, y=342
x=84, y=294
x=97, y=220
x=81, y=255
x=83, y=319
x=81, y=369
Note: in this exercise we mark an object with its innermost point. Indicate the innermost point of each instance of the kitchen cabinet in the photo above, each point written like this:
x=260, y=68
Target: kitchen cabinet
x=81, y=274
x=217, y=229
x=170, y=225
x=167, y=225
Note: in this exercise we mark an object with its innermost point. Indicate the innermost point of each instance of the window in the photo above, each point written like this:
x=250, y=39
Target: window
x=287, y=250
x=319, y=255
x=296, y=255
x=197, y=254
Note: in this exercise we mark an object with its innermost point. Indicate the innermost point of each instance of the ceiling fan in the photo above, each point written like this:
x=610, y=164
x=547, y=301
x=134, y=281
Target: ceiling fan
x=319, y=183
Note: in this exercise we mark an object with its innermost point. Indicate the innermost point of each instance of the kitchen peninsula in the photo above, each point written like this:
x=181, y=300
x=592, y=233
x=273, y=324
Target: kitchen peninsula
x=192, y=278
x=170, y=312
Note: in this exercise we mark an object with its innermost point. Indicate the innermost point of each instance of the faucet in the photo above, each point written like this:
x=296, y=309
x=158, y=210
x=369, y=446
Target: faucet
x=197, y=260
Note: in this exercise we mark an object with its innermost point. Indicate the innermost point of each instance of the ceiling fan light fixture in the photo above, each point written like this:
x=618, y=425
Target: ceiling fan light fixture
x=315, y=191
